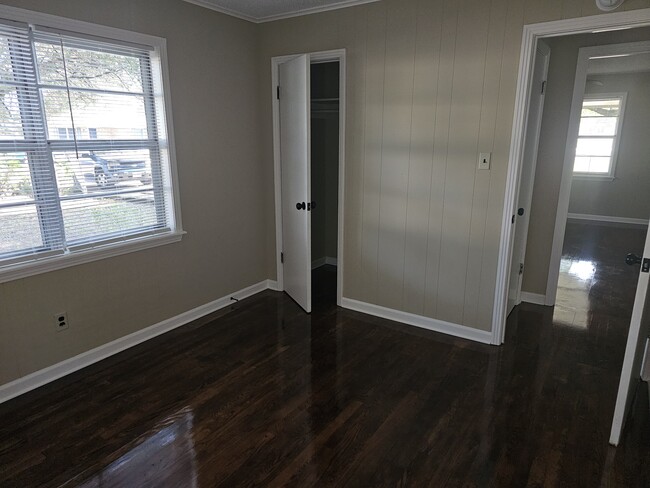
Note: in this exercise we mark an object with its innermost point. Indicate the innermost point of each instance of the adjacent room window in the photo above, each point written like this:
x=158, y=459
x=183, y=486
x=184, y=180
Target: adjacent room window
x=598, y=137
x=84, y=153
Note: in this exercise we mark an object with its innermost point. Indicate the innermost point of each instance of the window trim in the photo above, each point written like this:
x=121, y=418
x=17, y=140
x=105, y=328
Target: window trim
x=41, y=264
x=611, y=175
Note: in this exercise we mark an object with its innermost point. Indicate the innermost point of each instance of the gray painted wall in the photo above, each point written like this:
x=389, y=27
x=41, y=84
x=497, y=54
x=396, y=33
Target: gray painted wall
x=552, y=145
x=214, y=73
x=430, y=84
x=626, y=196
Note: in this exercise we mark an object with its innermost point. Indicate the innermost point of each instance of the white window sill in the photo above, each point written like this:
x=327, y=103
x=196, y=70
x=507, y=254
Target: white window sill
x=60, y=261
x=586, y=177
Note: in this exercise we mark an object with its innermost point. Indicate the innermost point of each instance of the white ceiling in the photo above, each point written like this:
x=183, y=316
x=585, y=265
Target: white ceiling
x=267, y=10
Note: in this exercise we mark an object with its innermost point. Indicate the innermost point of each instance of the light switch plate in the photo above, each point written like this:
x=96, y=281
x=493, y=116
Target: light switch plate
x=484, y=160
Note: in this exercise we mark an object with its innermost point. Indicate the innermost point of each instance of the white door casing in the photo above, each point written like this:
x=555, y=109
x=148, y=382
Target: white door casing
x=530, y=35
x=295, y=156
x=584, y=54
x=637, y=335
x=527, y=178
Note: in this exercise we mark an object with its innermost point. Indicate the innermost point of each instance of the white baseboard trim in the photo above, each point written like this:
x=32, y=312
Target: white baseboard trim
x=58, y=370
x=534, y=298
x=317, y=263
x=607, y=218
x=435, y=325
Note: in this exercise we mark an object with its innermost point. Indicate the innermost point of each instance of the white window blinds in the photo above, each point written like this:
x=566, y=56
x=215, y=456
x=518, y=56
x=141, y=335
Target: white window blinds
x=83, y=155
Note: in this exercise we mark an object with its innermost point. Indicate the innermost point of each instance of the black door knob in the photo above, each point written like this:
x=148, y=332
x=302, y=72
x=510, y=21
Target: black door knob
x=300, y=205
x=632, y=259
x=520, y=212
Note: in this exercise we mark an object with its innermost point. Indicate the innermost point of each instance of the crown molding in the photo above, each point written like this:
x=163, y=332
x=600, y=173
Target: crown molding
x=221, y=10
x=287, y=15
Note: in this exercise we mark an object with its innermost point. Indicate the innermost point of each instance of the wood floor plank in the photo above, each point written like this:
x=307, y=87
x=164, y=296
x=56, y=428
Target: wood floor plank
x=265, y=395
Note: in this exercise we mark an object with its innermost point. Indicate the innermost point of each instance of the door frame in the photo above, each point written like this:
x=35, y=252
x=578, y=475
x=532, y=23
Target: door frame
x=540, y=48
x=321, y=57
x=564, y=197
x=633, y=355
x=531, y=33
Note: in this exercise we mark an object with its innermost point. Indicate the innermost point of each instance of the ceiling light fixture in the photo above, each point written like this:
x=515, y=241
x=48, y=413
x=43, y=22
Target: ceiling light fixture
x=608, y=5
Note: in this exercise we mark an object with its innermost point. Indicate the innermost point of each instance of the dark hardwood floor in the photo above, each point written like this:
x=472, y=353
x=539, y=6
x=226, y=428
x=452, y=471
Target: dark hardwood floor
x=266, y=395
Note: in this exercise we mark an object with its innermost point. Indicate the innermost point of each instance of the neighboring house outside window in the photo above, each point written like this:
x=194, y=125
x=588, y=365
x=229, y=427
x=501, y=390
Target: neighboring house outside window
x=601, y=120
x=69, y=132
x=85, y=158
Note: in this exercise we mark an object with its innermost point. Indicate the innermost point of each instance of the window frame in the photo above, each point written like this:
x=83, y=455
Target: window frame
x=611, y=174
x=16, y=268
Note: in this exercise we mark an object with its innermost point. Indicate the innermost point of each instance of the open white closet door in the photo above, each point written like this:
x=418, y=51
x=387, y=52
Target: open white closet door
x=639, y=330
x=528, y=166
x=295, y=156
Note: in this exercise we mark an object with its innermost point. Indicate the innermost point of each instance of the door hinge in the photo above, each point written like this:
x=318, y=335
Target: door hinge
x=543, y=86
x=521, y=268
x=277, y=92
x=282, y=257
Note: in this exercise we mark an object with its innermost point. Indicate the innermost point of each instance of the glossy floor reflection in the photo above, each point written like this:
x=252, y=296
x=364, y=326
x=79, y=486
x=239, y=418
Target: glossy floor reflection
x=166, y=456
x=593, y=275
x=266, y=395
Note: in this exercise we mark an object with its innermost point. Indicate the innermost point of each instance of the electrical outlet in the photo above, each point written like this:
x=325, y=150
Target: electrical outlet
x=61, y=321
x=484, y=160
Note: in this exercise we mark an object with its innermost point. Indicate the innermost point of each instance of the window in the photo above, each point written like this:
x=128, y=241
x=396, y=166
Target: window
x=85, y=161
x=598, y=135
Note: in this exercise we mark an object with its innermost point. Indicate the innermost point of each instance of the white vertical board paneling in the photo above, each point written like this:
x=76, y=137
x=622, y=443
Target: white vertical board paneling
x=505, y=109
x=448, y=25
x=430, y=84
x=536, y=11
x=635, y=4
x=427, y=60
x=487, y=127
x=589, y=8
x=355, y=113
x=374, y=111
x=571, y=9
x=398, y=88
x=469, y=59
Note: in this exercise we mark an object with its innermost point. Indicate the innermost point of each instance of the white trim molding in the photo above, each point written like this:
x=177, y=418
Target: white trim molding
x=34, y=264
x=407, y=318
x=534, y=298
x=613, y=158
x=52, y=263
x=314, y=57
x=531, y=33
x=608, y=218
x=271, y=18
x=584, y=55
x=68, y=366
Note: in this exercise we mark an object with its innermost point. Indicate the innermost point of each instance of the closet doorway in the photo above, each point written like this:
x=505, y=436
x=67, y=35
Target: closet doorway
x=308, y=134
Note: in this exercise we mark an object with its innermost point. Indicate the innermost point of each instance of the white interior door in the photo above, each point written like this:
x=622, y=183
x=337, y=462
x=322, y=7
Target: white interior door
x=639, y=330
x=295, y=156
x=529, y=164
